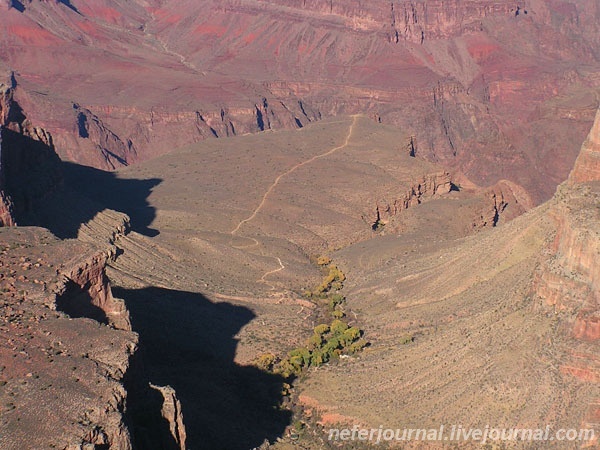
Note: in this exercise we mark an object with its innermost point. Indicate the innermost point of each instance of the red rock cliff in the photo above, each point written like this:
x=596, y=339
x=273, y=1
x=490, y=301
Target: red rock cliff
x=587, y=165
x=568, y=279
x=29, y=165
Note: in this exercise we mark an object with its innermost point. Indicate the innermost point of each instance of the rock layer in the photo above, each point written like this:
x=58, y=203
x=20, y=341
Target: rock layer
x=464, y=77
x=29, y=165
x=587, y=165
x=50, y=359
x=568, y=279
x=428, y=186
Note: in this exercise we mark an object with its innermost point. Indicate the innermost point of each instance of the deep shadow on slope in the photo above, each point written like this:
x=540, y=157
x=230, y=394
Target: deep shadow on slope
x=61, y=196
x=76, y=301
x=30, y=171
x=106, y=190
x=188, y=343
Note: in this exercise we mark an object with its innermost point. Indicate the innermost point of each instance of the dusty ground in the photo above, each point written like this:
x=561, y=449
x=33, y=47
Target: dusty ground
x=239, y=220
x=456, y=335
x=223, y=244
x=459, y=336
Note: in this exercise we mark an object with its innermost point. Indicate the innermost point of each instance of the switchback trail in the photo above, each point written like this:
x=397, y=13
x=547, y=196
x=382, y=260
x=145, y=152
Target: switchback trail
x=268, y=192
x=263, y=279
x=291, y=170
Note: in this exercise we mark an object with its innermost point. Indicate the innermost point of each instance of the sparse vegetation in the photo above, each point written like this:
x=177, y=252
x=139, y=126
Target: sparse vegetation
x=323, y=260
x=333, y=281
x=406, y=339
x=329, y=341
x=266, y=361
x=327, y=292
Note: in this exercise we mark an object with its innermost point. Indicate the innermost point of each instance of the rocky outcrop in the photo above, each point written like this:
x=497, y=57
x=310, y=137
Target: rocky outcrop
x=6, y=210
x=171, y=412
x=6, y=207
x=61, y=376
x=29, y=165
x=411, y=20
x=503, y=201
x=83, y=288
x=568, y=280
x=417, y=21
x=587, y=165
x=84, y=291
x=108, y=144
x=7, y=217
x=127, y=134
x=428, y=186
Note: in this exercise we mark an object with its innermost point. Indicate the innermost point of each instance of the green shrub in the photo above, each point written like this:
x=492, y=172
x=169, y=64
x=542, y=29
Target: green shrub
x=338, y=314
x=286, y=369
x=323, y=260
x=315, y=341
x=357, y=346
x=350, y=335
x=335, y=300
x=336, y=286
x=332, y=344
x=338, y=327
x=333, y=280
x=407, y=339
x=265, y=362
x=302, y=355
x=318, y=358
x=322, y=329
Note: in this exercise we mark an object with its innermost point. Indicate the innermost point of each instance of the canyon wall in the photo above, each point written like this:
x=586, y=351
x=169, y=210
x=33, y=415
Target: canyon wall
x=29, y=165
x=66, y=340
x=409, y=20
x=587, y=165
x=568, y=280
x=429, y=186
x=571, y=278
x=475, y=82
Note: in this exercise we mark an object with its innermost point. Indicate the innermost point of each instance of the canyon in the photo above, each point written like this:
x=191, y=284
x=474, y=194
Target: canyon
x=171, y=172
x=474, y=83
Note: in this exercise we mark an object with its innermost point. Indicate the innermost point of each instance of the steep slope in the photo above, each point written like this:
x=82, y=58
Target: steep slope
x=498, y=329
x=66, y=342
x=476, y=83
x=587, y=165
x=29, y=166
x=567, y=281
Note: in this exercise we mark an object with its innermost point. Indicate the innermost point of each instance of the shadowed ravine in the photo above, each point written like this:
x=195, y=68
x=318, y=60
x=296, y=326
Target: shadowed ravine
x=187, y=342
